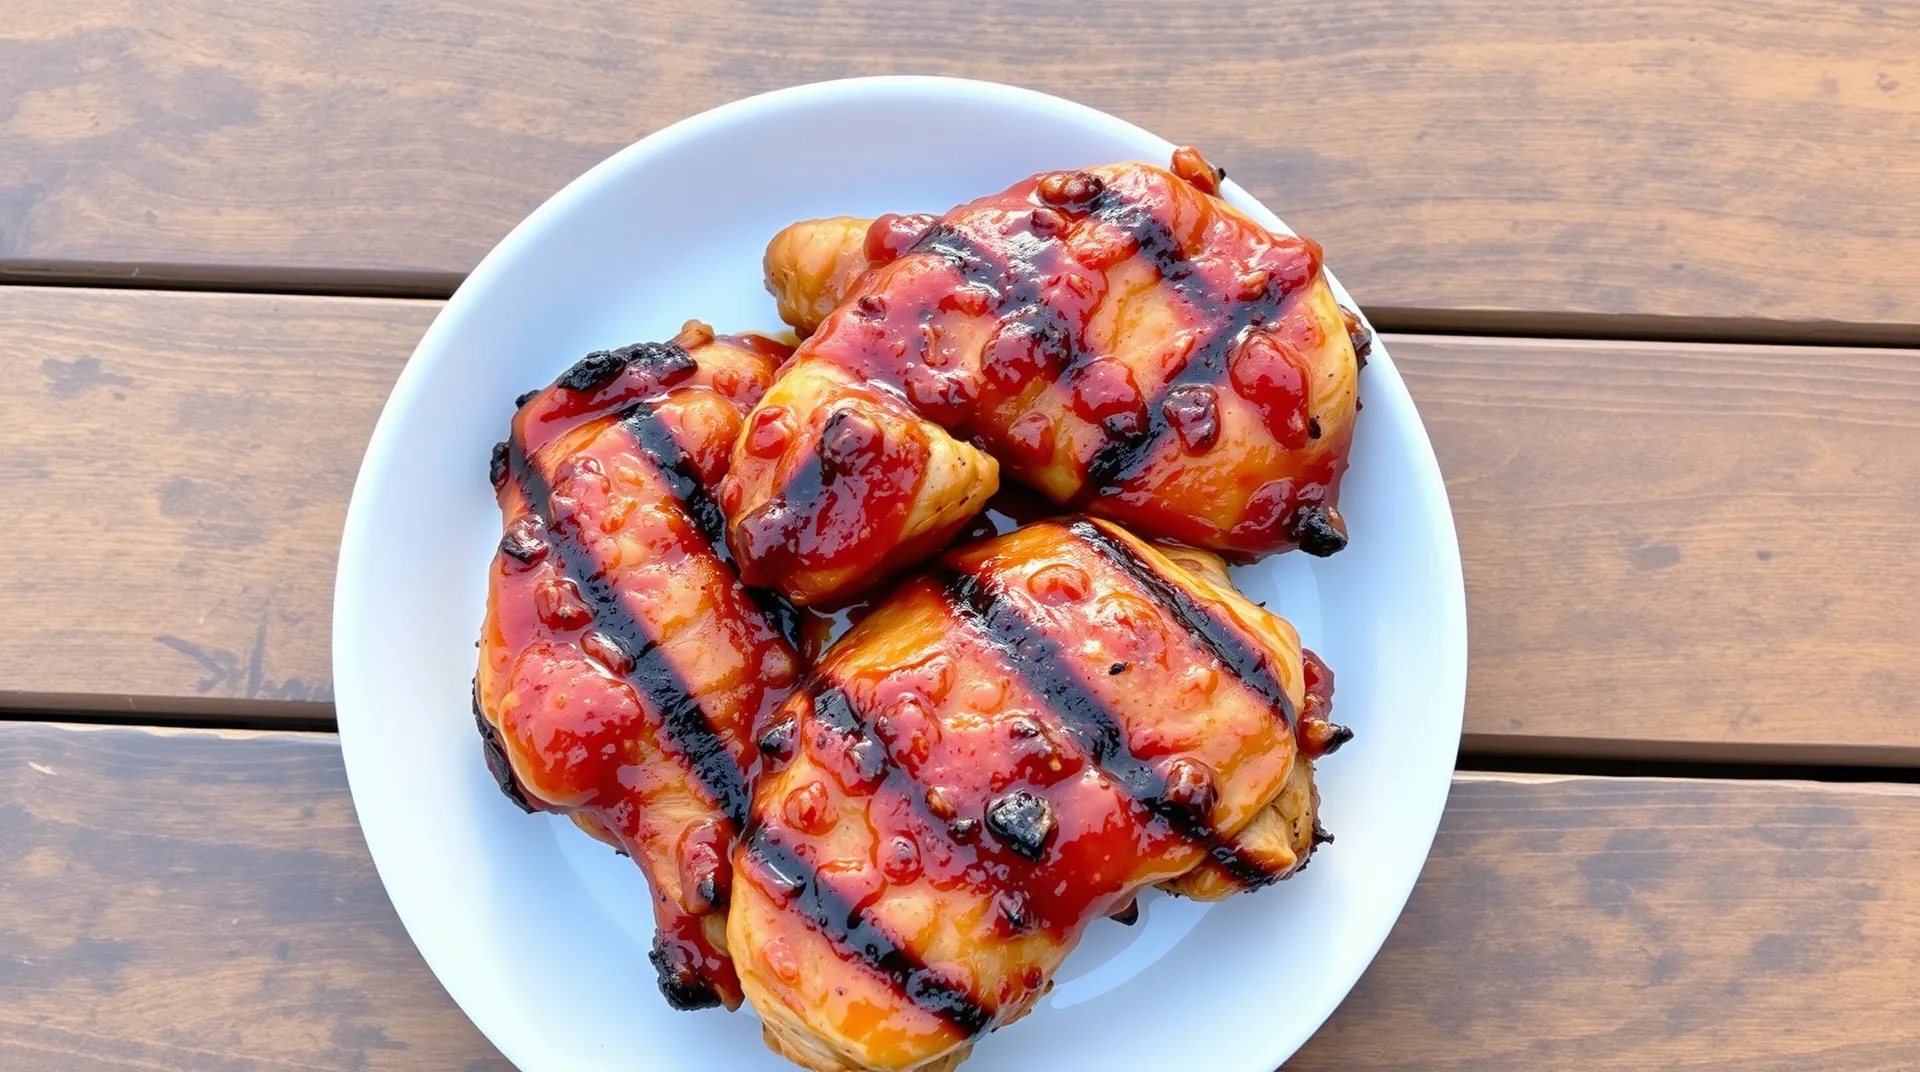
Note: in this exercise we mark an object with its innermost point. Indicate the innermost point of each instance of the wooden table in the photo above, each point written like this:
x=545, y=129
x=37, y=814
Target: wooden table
x=1651, y=269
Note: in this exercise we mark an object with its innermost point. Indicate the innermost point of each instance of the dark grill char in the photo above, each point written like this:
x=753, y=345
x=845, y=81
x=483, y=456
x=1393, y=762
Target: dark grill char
x=1048, y=671
x=685, y=726
x=1221, y=637
x=856, y=934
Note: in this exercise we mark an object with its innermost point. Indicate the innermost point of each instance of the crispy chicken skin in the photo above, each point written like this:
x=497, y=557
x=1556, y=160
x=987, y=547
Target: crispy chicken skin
x=885, y=487
x=811, y=265
x=1012, y=745
x=623, y=667
x=1118, y=338
x=1284, y=834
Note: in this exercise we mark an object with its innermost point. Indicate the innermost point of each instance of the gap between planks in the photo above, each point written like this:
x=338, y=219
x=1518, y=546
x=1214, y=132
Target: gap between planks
x=1405, y=320
x=1900, y=768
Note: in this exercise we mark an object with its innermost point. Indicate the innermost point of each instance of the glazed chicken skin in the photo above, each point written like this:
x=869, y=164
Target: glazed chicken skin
x=1119, y=339
x=1012, y=745
x=623, y=667
x=1278, y=840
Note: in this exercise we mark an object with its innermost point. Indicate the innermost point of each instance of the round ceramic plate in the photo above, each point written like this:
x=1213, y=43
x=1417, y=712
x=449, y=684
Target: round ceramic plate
x=539, y=933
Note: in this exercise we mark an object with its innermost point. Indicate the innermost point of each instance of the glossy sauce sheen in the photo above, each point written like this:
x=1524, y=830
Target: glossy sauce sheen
x=624, y=668
x=1002, y=751
x=1117, y=338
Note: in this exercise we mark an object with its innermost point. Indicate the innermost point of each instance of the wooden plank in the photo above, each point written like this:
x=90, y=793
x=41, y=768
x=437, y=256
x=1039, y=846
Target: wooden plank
x=198, y=901
x=1602, y=923
x=1685, y=551
x=177, y=468
x=1686, y=165
x=202, y=901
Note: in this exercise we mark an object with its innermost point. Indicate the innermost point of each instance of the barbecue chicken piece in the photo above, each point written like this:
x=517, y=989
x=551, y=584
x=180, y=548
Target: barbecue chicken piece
x=623, y=667
x=1119, y=339
x=1012, y=745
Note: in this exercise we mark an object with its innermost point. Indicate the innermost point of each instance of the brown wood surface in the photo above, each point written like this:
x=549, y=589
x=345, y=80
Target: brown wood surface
x=202, y=901
x=1618, y=923
x=1683, y=550
x=1674, y=550
x=187, y=900
x=177, y=468
x=1683, y=165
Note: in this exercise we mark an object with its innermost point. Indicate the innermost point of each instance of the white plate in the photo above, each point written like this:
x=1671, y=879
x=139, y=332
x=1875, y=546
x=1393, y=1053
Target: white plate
x=540, y=934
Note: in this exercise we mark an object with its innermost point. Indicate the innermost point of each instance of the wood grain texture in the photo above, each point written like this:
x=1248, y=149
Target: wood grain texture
x=202, y=901
x=176, y=468
x=1687, y=551
x=1602, y=923
x=1683, y=550
x=194, y=901
x=1706, y=160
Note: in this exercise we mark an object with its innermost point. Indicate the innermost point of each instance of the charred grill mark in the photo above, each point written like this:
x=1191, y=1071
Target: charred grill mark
x=839, y=918
x=675, y=467
x=1047, y=669
x=1120, y=458
x=685, y=725
x=1220, y=637
x=768, y=531
x=1014, y=278
x=858, y=937
x=656, y=441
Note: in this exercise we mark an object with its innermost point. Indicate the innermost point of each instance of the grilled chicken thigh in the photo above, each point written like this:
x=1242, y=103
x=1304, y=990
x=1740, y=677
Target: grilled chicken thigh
x=1012, y=745
x=1118, y=338
x=623, y=666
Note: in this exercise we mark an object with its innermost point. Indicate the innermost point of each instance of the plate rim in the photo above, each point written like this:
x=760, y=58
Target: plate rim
x=357, y=538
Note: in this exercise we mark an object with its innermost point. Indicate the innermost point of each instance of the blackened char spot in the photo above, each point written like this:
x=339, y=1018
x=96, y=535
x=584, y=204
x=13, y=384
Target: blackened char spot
x=779, y=741
x=1316, y=531
x=497, y=465
x=1221, y=638
x=680, y=980
x=858, y=937
x=1048, y=670
x=1129, y=915
x=497, y=763
x=1023, y=821
x=1341, y=735
x=594, y=370
x=685, y=727
x=524, y=541
x=832, y=709
x=664, y=361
